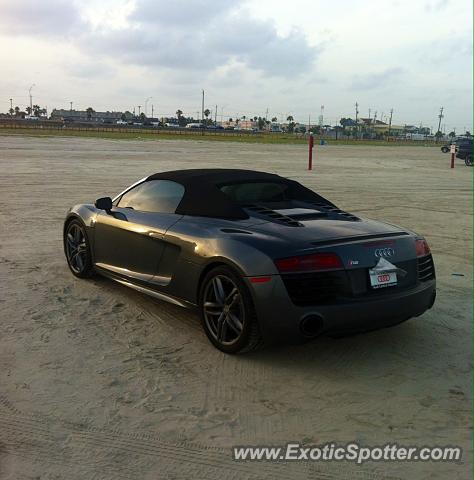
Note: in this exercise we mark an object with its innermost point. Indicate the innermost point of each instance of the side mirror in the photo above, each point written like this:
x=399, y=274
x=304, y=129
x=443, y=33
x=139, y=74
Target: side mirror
x=104, y=203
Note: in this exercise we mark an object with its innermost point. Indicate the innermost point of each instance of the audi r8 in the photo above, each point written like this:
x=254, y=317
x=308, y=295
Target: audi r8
x=262, y=257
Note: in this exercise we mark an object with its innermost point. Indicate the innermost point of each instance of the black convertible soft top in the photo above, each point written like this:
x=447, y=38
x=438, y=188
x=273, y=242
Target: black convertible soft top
x=204, y=198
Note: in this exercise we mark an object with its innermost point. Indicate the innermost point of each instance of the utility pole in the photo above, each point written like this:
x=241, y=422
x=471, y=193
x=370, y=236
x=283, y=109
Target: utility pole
x=11, y=107
x=70, y=103
x=139, y=108
x=440, y=116
x=390, y=121
x=215, y=116
x=152, y=110
x=31, y=99
x=357, y=118
x=266, y=114
x=202, y=107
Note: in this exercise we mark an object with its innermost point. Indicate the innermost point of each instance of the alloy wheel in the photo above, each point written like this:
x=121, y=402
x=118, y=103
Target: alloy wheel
x=223, y=310
x=76, y=248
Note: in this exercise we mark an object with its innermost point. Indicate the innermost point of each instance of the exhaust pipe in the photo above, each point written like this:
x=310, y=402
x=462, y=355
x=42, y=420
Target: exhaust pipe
x=311, y=325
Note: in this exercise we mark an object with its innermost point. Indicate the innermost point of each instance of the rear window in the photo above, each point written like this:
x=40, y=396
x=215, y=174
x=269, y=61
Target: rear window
x=255, y=192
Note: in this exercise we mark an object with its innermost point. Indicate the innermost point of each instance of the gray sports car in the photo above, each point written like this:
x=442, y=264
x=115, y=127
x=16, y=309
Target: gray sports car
x=262, y=257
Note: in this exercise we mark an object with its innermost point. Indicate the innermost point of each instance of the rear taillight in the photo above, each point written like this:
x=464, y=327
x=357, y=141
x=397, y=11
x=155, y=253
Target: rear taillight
x=422, y=248
x=306, y=263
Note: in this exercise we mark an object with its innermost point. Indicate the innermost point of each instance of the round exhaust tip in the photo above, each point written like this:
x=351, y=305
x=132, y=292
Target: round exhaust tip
x=311, y=325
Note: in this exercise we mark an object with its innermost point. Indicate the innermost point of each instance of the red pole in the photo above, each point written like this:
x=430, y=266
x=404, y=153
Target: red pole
x=310, y=151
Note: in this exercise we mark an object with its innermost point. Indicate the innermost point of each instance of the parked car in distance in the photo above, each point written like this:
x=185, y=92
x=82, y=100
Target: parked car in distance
x=464, y=150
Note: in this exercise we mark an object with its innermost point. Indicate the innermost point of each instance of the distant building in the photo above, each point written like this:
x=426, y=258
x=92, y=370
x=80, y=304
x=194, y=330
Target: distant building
x=383, y=129
x=248, y=124
x=85, y=116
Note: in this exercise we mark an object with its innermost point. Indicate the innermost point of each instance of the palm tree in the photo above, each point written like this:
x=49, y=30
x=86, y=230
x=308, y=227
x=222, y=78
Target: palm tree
x=452, y=134
x=36, y=110
x=17, y=111
x=274, y=119
x=89, y=112
x=181, y=120
x=289, y=118
x=28, y=110
x=11, y=111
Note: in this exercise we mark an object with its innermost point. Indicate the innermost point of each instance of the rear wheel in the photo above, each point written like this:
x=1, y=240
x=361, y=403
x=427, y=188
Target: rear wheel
x=468, y=160
x=227, y=312
x=77, y=249
x=445, y=149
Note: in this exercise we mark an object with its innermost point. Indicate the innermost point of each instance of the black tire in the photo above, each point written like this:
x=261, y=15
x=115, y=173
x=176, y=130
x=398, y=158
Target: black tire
x=77, y=249
x=445, y=149
x=230, y=322
x=468, y=160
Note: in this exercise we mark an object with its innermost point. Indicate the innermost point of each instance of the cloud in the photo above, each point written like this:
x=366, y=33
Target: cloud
x=180, y=13
x=89, y=70
x=436, y=5
x=33, y=17
x=202, y=36
x=376, y=80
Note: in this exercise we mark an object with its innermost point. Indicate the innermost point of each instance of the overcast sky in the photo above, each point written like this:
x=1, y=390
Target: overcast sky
x=288, y=56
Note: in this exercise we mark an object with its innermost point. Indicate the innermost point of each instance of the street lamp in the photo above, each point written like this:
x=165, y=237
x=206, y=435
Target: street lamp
x=31, y=99
x=146, y=105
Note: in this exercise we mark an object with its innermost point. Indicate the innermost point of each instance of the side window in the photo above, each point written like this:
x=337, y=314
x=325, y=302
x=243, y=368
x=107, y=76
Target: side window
x=161, y=196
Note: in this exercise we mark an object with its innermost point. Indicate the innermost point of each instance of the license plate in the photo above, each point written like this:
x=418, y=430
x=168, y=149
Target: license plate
x=382, y=279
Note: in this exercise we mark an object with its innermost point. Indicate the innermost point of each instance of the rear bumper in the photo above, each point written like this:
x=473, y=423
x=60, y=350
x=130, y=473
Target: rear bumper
x=280, y=320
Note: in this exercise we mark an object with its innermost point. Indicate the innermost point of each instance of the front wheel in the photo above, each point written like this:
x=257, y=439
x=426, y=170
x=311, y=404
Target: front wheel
x=227, y=312
x=468, y=161
x=77, y=250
